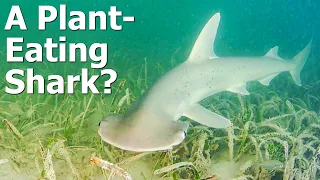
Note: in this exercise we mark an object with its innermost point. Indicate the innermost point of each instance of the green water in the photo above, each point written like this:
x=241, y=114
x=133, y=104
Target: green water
x=276, y=123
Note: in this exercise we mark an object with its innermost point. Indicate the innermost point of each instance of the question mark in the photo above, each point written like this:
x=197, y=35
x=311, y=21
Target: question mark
x=113, y=78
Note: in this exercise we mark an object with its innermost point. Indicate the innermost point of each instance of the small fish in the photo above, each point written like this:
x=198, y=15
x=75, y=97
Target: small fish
x=272, y=165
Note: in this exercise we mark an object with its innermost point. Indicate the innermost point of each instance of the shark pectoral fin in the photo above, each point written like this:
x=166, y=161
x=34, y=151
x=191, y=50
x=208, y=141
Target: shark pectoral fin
x=203, y=47
x=206, y=117
x=266, y=81
x=239, y=89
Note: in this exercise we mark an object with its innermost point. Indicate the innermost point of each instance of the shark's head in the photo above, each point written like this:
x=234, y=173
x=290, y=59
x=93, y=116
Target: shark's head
x=138, y=134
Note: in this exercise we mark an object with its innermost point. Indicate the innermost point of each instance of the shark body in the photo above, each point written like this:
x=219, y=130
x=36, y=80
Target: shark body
x=151, y=124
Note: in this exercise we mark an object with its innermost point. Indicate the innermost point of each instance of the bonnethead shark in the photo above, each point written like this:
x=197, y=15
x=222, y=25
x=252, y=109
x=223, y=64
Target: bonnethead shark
x=152, y=123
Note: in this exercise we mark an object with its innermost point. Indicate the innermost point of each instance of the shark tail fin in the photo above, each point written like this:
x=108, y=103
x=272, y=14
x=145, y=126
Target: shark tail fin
x=299, y=60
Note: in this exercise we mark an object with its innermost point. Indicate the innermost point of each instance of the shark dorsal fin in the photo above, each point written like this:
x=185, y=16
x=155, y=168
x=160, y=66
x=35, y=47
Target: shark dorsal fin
x=203, y=47
x=273, y=53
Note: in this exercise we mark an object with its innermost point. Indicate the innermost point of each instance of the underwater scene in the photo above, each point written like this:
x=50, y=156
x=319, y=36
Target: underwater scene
x=199, y=90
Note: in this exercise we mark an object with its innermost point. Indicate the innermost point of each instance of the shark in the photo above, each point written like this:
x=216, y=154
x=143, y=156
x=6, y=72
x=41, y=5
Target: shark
x=153, y=122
